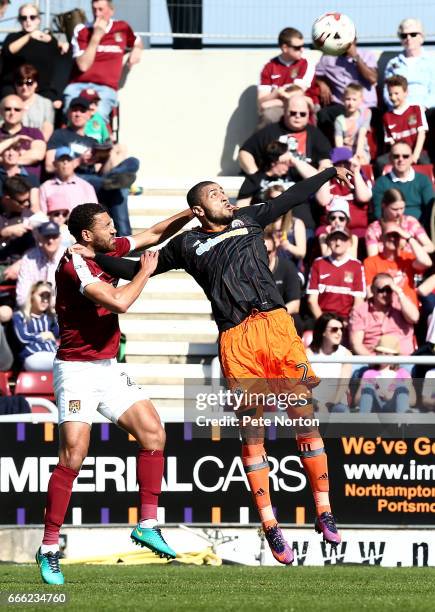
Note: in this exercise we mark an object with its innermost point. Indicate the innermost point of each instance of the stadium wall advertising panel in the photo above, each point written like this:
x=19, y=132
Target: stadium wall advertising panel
x=375, y=480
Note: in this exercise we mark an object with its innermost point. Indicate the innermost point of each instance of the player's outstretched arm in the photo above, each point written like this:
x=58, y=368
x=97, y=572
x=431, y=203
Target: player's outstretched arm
x=296, y=194
x=163, y=230
x=119, y=299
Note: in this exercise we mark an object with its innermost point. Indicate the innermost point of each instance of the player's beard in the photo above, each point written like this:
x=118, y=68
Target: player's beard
x=104, y=246
x=220, y=218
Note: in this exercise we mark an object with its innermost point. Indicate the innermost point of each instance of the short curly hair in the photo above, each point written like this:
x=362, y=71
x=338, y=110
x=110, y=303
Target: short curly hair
x=82, y=217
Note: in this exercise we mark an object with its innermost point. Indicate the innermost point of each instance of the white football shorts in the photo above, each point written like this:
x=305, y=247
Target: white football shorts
x=83, y=387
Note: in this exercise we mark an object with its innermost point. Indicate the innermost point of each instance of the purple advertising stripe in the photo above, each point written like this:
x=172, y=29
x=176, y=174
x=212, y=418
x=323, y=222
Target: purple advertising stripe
x=187, y=431
x=21, y=432
x=105, y=432
x=188, y=515
x=21, y=516
x=271, y=432
x=105, y=515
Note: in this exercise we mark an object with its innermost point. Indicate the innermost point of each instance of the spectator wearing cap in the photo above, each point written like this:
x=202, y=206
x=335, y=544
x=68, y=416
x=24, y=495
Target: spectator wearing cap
x=358, y=198
x=393, y=260
x=109, y=176
x=10, y=166
x=65, y=190
x=386, y=387
x=98, y=50
x=33, y=145
x=95, y=127
x=336, y=282
x=40, y=262
x=388, y=311
x=416, y=188
x=338, y=218
x=393, y=207
x=38, y=111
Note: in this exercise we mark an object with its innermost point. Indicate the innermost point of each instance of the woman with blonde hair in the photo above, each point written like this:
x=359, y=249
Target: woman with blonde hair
x=36, y=329
x=289, y=232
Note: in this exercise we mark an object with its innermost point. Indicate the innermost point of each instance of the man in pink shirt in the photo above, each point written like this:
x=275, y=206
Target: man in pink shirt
x=65, y=190
x=388, y=312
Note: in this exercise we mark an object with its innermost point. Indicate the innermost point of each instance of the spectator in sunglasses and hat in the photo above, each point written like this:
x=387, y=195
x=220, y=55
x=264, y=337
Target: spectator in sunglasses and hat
x=387, y=311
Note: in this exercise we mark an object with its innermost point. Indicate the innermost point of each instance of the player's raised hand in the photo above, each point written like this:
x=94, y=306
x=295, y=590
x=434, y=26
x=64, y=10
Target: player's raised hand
x=344, y=175
x=79, y=249
x=148, y=262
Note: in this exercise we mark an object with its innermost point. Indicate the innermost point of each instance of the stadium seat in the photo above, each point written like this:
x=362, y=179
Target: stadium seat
x=35, y=384
x=4, y=383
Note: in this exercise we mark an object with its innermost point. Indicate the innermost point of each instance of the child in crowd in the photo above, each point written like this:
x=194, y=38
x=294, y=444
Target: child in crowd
x=405, y=123
x=60, y=216
x=338, y=217
x=352, y=127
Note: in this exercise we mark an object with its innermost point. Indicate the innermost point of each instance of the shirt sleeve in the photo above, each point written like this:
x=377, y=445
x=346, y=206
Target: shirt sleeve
x=131, y=37
x=421, y=119
x=359, y=285
x=79, y=40
x=339, y=126
x=357, y=321
x=313, y=280
x=124, y=245
x=21, y=328
x=24, y=281
x=250, y=186
x=427, y=193
x=296, y=194
x=387, y=117
x=265, y=80
x=369, y=271
x=378, y=191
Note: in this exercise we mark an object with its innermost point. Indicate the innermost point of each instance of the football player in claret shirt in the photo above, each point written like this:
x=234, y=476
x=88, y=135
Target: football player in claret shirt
x=259, y=349
x=87, y=378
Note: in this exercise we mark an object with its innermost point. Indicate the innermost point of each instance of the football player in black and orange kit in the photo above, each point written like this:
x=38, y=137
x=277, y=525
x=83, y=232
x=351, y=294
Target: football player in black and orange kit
x=258, y=343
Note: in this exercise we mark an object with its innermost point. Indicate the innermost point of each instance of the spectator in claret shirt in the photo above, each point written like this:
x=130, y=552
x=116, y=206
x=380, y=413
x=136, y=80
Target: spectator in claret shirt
x=98, y=51
x=281, y=72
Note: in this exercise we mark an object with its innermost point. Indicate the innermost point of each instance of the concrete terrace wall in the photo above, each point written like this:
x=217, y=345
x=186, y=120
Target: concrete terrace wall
x=185, y=113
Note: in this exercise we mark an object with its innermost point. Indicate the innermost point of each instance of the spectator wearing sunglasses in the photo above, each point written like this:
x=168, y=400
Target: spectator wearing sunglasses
x=36, y=328
x=38, y=111
x=338, y=217
x=393, y=207
x=331, y=394
x=387, y=311
x=303, y=141
x=401, y=266
x=65, y=190
x=10, y=165
x=31, y=46
x=418, y=67
x=416, y=188
x=288, y=68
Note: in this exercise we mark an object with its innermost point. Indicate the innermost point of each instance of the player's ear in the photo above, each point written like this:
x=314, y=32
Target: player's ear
x=197, y=211
x=87, y=235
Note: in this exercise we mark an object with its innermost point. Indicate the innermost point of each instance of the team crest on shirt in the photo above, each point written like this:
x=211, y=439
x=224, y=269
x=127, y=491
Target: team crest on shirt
x=412, y=120
x=74, y=406
x=348, y=277
x=237, y=223
x=294, y=73
x=118, y=37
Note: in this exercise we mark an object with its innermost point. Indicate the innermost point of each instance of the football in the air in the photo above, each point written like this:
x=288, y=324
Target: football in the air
x=333, y=33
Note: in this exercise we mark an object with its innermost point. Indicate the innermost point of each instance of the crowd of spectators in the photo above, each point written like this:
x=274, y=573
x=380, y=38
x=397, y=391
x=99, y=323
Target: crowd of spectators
x=363, y=256
x=57, y=150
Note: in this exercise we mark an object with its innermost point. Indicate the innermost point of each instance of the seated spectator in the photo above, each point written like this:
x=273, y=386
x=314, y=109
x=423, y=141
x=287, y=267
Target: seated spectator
x=36, y=329
x=31, y=46
x=95, y=127
x=15, y=229
x=426, y=294
x=338, y=217
x=40, y=262
x=6, y=355
x=98, y=50
x=287, y=280
x=385, y=387
x=61, y=216
x=416, y=188
x=331, y=394
x=65, y=190
x=110, y=178
x=401, y=266
x=10, y=166
x=334, y=74
x=352, y=126
x=289, y=232
x=389, y=311
x=288, y=68
x=33, y=146
x=418, y=68
x=358, y=198
x=392, y=207
x=404, y=123
x=428, y=391
x=38, y=111
x=336, y=283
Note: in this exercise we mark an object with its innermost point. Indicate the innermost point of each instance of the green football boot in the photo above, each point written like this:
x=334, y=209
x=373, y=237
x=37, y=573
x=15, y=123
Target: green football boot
x=49, y=567
x=152, y=538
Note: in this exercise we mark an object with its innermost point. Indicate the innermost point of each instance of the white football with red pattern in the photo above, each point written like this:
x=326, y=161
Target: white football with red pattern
x=333, y=33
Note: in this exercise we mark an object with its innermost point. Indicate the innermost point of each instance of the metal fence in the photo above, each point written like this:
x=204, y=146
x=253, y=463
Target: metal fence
x=249, y=22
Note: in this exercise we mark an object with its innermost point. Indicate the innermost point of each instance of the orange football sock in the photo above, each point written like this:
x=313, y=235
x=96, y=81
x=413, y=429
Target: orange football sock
x=315, y=462
x=257, y=470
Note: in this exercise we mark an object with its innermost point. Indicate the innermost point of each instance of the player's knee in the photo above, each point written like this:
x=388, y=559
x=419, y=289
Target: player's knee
x=72, y=457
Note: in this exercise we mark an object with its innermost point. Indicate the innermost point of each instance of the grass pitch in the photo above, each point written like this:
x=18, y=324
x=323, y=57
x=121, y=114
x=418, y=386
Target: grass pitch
x=245, y=589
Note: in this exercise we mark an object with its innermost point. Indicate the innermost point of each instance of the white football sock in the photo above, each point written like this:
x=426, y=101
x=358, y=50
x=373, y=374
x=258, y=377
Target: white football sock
x=45, y=548
x=148, y=523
